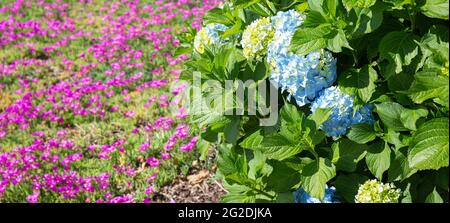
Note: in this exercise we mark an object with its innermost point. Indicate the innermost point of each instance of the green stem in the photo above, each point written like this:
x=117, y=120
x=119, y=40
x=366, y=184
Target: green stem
x=412, y=16
x=263, y=192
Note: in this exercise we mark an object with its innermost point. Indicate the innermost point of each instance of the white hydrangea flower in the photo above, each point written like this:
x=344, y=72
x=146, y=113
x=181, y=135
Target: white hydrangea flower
x=256, y=38
x=208, y=36
x=373, y=191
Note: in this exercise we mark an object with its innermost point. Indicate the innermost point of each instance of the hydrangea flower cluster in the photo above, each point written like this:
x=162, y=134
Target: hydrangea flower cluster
x=373, y=191
x=256, y=38
x=208, y=36
x=342, y=114
x=301, y=196
x=303, y=77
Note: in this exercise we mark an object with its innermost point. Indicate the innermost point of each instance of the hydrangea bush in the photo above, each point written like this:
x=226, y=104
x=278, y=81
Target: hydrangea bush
x=363, y=111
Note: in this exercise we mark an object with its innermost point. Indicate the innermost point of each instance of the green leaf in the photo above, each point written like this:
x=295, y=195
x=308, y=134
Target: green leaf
x=203, y=148
x=390, y=114
x=231, y=130
x=283, y=177
x=435, y=9
x=429, y=146
x=428, y=85
x=279, y=147
x=347, y=186
x=314, y=19
x=409, y=117
x=182, y=49
x=285, y=197
x=338, y=41
x=316, y=5
x=261, y=9
x=331, y=7
x=346, y=154
x=368, y=19
x=238, y=194
x=434, y=197
x=399, y=169
x=256, y=165
x=274, y=146
x=399, y=48
x=349, y=4
x=362, y=133
x=393, y=138
x=306, y=40
x=360, y=81
x=320, y=116
x=435, y=49
x=378, y=158
x=399, y=4
x=229, y=162
x=216, y=15
x=253, y=140
x=233, y=30
x=315, y=176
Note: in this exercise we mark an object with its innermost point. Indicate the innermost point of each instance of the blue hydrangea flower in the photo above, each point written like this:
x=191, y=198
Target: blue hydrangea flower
x=301, y=196
x=208, y=36
x=302, y=76
x=342, y=115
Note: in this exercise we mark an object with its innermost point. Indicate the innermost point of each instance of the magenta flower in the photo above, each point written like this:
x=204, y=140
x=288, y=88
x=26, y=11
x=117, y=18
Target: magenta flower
x=34, y=197
x=153, y=162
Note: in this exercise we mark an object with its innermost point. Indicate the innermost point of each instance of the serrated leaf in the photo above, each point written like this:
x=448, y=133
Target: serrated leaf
x=409, y=117
x=285, y=197
x=337, y=41
x=378, y=158
x=362, y=133
x=434, y=197
x=283, y=177
x=320, y=116
x=274, y=146
x=346, y=154
x=360, y=81
x=390, y=113
x=393, y=138
x=306, y=40
x=429, y=145
x=400, y=48
x=347, y=186
x=350, y=4
x=231, y=130
x=435, y=9
x=238, y=194
x=428, y=85
x=315, y=176
x=216, y=15
x=368, y=19
x=399, y=169
x=256, y=165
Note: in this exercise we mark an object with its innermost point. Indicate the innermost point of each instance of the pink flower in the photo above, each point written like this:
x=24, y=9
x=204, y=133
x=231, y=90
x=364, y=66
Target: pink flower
x=129, y=114
x=144, y=147
x=34, y=197
x=149, y=190
x=153, y=162
x=165, y=156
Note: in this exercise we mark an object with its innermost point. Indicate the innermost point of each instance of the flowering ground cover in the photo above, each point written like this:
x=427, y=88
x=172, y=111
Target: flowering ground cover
x=304, y=101
x=88, y=99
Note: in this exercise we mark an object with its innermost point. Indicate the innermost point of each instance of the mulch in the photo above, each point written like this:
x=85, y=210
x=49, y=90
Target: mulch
x=199, y=186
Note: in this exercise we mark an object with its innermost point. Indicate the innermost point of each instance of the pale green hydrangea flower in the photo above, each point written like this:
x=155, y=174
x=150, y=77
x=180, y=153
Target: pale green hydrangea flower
x=208, y=36
x=373, y=191
x=256, y=38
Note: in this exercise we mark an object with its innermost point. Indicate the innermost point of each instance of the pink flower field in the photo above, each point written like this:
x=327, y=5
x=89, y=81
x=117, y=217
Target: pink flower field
x=88, y=99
